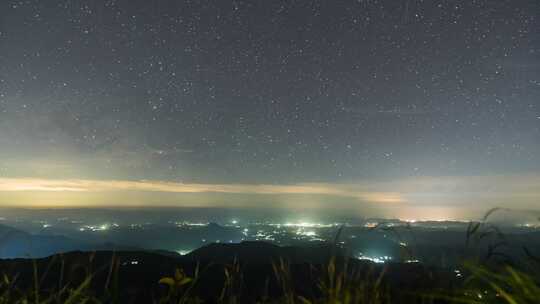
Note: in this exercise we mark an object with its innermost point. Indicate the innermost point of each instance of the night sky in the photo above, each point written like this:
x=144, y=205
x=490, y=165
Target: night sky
x=421, y=105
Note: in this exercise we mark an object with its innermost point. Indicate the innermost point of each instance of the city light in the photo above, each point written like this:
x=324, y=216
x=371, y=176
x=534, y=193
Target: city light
x=183, y=251
x=103, y=227
x=371, y=224
x=305, y=233
x=194, y=224
x=378, y=260
x=307, y=225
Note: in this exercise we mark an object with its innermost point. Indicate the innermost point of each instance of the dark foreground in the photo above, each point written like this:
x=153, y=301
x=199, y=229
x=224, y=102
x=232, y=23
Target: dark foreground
x=235, y=273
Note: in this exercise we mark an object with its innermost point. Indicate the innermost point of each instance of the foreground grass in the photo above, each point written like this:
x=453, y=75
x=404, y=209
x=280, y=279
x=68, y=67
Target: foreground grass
x=483, y=285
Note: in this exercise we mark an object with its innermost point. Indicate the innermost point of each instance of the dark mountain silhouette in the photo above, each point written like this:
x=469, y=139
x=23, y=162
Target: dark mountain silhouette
x=138, y=272
x=6, y=232
x=262, y=252
x=15, y=243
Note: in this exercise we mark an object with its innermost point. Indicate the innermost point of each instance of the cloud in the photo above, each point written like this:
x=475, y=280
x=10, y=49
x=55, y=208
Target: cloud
x=75, y=185
x=465, y=192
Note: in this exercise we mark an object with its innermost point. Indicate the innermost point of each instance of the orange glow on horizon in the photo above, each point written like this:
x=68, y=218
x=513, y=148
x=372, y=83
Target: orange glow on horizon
x=27, y=185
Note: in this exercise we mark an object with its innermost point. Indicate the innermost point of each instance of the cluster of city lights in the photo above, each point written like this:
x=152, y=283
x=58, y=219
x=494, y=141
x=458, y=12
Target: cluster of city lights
x=371, y=224
x=378, y=260
x=301, y=233
x=261, y=235
x=412, y=261
x=305, y=225
x=195, y=224
x=530, y=225
x=306, y=233
x=183, y=251
x=103, y=227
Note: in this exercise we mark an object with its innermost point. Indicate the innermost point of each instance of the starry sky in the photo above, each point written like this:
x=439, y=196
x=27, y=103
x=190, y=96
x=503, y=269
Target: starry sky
x=410, y=103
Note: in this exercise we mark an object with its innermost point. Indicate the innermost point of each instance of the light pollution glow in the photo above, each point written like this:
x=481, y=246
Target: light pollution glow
x=415, y=197
x=75, y=185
